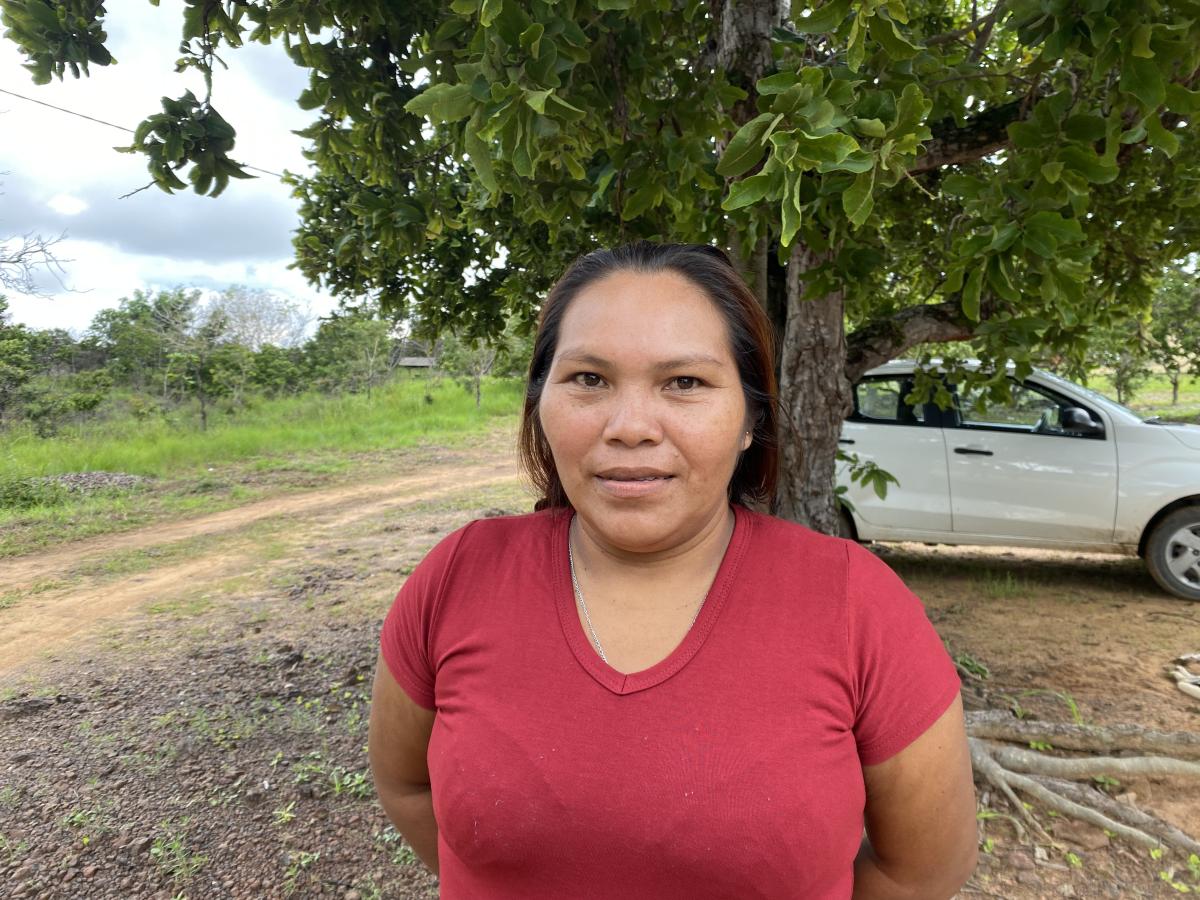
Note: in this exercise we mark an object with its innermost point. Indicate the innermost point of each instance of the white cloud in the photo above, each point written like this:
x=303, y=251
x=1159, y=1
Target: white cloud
x=67, y=204
x=60, y=174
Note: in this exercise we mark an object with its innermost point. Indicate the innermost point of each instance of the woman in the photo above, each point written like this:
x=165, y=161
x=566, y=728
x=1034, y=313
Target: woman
x=645, y=690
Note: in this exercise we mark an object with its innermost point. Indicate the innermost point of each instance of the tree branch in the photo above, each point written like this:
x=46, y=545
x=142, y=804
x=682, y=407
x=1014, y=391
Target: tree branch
x=983, y=134
x=875, y=344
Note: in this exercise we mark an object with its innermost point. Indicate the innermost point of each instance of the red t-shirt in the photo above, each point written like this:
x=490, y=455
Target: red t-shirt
x=731, y=769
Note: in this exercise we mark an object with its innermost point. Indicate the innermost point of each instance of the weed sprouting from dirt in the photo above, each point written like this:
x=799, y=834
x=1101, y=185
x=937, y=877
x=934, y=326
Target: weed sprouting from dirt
x=1002, y=585
x=170, y=852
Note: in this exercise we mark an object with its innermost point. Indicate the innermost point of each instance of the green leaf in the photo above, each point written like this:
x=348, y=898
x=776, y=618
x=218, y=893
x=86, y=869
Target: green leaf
x=1049, y=227
x=747, y=191
x=1087, y=128
x=537, y=100
x=563, y=109
x=1004, y=236
x=791, y=219
x=856, y=46
x=606, y=5
x=822, y=20
x=971, y=292
x=870, y=127
x=745, y=147
x=911, y=109
x=491, y=9
x=1140, y=45
x=1159, y=137
x=858, y=200
x=442, y=103
x=777, y=83
x=1027, y=135
x=465, y=7
x=825, y=148
x=885, y=33
x=1181, y=100
x=641, y=200
x=481, y=160
x=531, y=39
x=1143, y=78
x=1089, y=164
x=1051, y=171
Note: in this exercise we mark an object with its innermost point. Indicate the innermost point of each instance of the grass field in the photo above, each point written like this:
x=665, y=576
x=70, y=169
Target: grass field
x=273, y=447
x=1154, y=397
x=396, y=415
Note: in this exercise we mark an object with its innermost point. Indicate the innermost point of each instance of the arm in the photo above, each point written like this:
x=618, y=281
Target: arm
x=397, y=743
x=921, y=835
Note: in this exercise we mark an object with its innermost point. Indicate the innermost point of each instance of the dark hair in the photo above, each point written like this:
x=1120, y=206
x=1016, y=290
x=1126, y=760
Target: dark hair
x=751, y=341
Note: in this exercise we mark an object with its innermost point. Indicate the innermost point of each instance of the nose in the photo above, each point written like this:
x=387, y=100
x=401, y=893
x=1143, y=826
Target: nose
x=633, y=419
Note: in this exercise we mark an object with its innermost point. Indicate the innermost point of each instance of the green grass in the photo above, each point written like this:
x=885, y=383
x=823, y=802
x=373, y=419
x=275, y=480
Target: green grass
x=1153, y=398
x=273, y=447
x=396, y=415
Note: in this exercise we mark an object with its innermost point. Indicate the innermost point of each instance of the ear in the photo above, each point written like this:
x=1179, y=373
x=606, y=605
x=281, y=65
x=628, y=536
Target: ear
x=747, y=440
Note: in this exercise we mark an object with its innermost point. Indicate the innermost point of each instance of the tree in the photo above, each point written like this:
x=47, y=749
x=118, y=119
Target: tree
x=888, y=173
x=16, y=362
x=352, y=350
x=1175, y=327
x=255, y=317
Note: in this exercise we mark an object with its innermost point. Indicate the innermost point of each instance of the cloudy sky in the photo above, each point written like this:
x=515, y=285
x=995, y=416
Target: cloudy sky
x=61, y=175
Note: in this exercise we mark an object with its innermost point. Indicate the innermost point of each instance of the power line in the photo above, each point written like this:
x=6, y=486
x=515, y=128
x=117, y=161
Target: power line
x=80, y=115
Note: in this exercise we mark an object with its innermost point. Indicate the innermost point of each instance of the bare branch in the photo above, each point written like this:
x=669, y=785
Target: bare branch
x=21, y=258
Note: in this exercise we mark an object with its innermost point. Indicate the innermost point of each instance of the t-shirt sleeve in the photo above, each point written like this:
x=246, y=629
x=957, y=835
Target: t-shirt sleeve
x=902, y=677
x=408, y=627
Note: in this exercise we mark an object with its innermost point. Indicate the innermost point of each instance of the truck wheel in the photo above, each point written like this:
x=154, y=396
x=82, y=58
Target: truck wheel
x=1173, y=553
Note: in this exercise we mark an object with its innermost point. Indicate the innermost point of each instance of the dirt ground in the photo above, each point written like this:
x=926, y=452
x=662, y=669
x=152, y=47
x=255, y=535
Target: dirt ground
x=183, y=709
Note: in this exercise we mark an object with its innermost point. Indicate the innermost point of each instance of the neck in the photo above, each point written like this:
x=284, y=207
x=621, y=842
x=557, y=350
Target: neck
x=701, y=551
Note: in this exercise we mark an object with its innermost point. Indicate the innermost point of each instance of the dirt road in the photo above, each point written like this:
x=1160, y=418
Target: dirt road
x=50, y=619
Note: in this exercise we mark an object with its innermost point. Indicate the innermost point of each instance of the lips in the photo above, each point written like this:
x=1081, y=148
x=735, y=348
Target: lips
x=633, y=474
x=629, y=483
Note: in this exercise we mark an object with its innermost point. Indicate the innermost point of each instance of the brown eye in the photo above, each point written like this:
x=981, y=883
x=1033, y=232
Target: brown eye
x=588, y=380
x=685, y=383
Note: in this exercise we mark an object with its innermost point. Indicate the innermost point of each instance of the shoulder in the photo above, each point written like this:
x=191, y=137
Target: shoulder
x=484, y=540
x=796, y=543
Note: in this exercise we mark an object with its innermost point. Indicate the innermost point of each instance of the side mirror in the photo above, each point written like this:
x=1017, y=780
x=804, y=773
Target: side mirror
x=1080, y=421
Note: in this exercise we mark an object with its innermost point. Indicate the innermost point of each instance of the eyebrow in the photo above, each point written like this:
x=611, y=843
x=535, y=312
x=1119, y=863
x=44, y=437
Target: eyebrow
x=679, y=362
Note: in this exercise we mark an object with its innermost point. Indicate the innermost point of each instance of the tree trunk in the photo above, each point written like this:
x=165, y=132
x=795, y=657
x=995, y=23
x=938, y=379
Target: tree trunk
x=478, y=390
x=814, y=398
x=1174, y=376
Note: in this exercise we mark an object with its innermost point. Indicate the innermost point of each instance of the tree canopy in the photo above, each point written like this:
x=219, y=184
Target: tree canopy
x=888, y=173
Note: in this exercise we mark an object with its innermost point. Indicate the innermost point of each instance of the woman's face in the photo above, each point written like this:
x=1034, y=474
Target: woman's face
x=644, y=411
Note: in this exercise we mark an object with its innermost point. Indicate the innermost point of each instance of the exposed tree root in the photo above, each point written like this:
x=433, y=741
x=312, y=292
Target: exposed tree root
x=1000, y=725
x=1041, y=777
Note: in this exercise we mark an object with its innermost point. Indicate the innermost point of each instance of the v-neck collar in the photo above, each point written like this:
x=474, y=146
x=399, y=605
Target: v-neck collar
x=585, y=653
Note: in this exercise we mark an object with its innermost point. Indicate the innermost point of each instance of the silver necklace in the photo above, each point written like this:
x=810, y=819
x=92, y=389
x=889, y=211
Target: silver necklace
x=583, y=604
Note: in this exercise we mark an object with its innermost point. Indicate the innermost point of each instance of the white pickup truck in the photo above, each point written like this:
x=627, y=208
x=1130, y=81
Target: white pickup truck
x=1057, y=466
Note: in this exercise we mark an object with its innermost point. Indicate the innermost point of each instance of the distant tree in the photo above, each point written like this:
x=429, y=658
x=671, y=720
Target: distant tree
x=194, y=338
x=277, y=370
x=1175, y=327
x=353, y=350
x=471, y=359
x=137, y=338
x=257, y=317
x=1122, y=353
x=16, y=362
x=231, y=368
